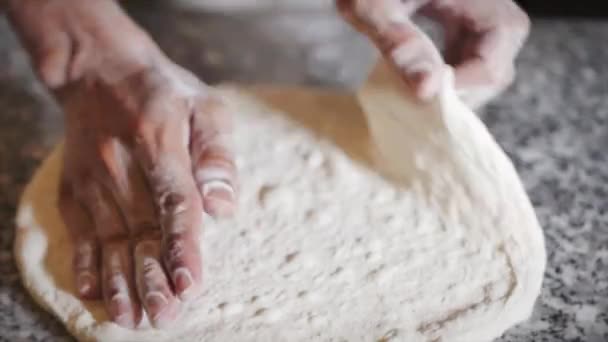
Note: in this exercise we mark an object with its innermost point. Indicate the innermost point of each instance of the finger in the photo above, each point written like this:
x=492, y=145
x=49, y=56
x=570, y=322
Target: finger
x=116, y=276
x=416, y=58
x=86, y=252
x=105, y=214
x=388, y=24
x=485, y=62
x=86, y=271
x=478, y=81
x=153, y=285
x=212, y=157
x=482, y=42
x=129, y=189
x=162, y=150
x=119, y=290
x=182, y=257
x=484, y=68
x=53, y=58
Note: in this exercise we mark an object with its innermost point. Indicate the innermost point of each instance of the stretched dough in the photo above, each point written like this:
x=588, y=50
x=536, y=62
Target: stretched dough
x=421, y=233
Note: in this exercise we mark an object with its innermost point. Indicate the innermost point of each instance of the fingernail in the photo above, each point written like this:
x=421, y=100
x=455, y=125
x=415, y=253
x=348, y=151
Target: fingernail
x=124, y=320
x=218, y=189
x=155, y=303
x=84, y=283
x=182, y=279
x=120, y=310
x=218, y=198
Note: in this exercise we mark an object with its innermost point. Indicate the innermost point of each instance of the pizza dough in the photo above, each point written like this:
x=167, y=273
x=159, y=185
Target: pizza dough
x=423, y=233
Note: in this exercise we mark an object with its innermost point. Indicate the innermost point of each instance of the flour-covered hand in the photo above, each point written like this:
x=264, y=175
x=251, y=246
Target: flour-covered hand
x=146, y=152
x=482, y=40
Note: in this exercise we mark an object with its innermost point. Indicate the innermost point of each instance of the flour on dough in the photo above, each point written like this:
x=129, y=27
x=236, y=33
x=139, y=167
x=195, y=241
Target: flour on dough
x=423, y=233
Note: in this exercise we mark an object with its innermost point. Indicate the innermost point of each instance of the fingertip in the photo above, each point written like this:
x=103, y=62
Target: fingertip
x=185, y=278
x=118, y=285
x=121, y=311
x=154, y=288
x=219, y=208
x=218, y=199
x=165, y=320
x=124, y=309
x=185, y=286
x=182, y=260
x=424, y=84
x=162, y=310
x=87, y=286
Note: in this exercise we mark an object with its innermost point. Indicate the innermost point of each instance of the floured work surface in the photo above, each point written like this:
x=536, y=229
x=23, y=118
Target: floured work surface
x=425, y=235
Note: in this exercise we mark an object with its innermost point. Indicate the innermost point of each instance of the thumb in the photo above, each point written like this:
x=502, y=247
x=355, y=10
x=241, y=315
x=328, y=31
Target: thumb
x=411, y=52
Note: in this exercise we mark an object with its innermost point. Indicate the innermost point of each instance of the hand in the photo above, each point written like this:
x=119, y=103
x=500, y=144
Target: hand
x=482, y=39
x=145, y=153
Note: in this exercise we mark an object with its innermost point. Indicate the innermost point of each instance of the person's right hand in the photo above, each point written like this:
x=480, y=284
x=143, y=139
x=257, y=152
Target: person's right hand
x=146, y=151
x=482, y=39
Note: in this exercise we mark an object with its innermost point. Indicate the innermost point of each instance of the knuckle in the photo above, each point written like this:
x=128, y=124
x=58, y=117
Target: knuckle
x=174, y=250
x=522, y=21
x=154, y=103
x=150, y=268
x=162, y=100
x=147, y=125
x=112, y=259
x=414, y=54
x=143, y=131
x=151, y=135
x=172, y=203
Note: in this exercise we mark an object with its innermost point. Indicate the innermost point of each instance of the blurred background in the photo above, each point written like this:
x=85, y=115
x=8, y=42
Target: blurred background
x=287, y=41
x=565, y=8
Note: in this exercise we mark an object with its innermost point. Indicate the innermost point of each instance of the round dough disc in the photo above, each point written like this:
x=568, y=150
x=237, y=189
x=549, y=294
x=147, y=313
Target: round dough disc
x=424, y=233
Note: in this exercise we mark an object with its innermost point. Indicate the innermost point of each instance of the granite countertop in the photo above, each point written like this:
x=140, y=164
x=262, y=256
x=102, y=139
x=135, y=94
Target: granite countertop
x=553, y=123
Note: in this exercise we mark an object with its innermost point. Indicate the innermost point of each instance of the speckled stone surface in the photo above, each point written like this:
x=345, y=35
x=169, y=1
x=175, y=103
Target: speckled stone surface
x=553, y=123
